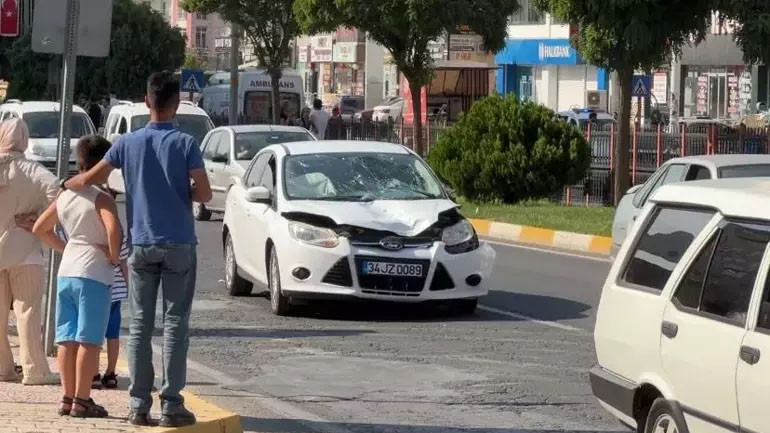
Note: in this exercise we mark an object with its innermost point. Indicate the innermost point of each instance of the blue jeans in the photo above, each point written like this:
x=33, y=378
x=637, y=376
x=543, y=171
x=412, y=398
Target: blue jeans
x=174, y=266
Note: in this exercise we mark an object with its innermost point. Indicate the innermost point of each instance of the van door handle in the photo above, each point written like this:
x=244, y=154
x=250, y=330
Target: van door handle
x=750, y=355
x=669, y=329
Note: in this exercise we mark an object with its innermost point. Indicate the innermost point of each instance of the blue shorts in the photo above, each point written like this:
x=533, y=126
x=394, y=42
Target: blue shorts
x=113, y=326
x=82, y=310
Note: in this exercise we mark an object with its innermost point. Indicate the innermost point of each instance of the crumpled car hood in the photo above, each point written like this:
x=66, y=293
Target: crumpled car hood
x=402, y=217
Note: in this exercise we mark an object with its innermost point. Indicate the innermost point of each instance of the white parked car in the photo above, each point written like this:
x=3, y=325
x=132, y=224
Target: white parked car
x=683, y=327
x=390, y=109
x=228, y=151
x=683, y=170
x=42, y=118
x=350, y=219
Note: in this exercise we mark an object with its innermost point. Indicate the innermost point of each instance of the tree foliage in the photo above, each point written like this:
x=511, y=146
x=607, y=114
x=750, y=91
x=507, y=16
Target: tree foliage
x=753, y=32
x=405, y=27
x=191, y=61
x=270, y=26
x=142, y=43
x=506, y=150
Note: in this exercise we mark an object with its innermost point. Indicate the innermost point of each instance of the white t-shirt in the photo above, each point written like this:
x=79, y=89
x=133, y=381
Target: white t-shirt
x=318, y=121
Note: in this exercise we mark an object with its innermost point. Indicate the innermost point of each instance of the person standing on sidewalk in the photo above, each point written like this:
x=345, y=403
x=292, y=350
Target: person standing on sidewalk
x=89, y=218
x=158, y=164
x=26, y=189
x=319, y=118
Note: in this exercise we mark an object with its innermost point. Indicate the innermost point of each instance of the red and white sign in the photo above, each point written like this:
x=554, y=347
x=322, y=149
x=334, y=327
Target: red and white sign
x=408, y=106
x=9, y=18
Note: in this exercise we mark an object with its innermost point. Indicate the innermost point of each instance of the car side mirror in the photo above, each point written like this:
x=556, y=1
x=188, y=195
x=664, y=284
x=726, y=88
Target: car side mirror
x=101, y=131
x=221, y=159
x=113, y=138
x=258, y=194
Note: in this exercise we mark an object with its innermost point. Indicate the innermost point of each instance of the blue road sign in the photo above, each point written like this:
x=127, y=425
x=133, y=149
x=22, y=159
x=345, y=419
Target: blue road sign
x=192, y=80
x=641, y=86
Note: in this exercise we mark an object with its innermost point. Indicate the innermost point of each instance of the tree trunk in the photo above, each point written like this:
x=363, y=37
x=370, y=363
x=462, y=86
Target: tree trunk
x=622, y=144
x=276, y=95
x=417, y=110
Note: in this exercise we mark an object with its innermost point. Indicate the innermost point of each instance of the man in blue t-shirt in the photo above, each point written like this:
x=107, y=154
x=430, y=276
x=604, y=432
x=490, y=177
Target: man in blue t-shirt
x=158, y=163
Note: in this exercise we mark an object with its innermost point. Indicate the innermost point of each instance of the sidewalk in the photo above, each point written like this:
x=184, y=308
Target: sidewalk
x=32, y=409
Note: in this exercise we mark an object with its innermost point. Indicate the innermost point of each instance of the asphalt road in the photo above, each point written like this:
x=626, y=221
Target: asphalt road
x=519, y=365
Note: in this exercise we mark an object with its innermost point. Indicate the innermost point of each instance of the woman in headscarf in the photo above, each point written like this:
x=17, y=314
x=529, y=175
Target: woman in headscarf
x=26, y=189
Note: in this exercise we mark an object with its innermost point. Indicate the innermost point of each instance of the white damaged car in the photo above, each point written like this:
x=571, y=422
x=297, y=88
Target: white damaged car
x=349, y=219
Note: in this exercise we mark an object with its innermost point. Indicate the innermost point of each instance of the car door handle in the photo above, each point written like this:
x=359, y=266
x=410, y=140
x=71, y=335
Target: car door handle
x=750, y=355
x=669, y=329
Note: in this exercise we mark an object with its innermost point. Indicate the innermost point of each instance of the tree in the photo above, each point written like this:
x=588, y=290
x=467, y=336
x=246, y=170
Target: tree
x=753, y=31
x=629, y=35
x=506, y=150
x=191, y=61
x=142, y=43
x=270, y=26
x=405, y=27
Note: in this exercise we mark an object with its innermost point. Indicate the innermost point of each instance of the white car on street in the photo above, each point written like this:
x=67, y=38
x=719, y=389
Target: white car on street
x=42, y=118
x=228, y=151
x=682, y=332
x=683, y=170
x=350, y=219
x=390, y=109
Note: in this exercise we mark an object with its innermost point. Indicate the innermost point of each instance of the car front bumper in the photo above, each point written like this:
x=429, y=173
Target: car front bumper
x=336, y=272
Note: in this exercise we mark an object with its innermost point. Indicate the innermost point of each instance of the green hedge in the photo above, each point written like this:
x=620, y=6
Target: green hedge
x=504, y=150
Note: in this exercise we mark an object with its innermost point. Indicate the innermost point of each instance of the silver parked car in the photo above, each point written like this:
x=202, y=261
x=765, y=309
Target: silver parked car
x=227, y=152
x=683, y=170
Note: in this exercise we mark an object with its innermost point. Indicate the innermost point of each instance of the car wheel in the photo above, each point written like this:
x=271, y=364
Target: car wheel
x=278, y=302
x=236, y=285
x=664, y=417
x=200, y=212
x=466, y=306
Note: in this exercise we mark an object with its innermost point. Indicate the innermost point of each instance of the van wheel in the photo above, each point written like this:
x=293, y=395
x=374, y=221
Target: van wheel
x=235, y=284
x=665, y=417
x=200, y=212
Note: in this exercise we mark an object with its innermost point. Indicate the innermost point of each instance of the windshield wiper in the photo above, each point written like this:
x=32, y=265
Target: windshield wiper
x=365, y=198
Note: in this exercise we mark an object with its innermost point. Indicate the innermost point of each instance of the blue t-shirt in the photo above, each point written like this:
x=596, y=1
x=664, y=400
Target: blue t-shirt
x=156, y=162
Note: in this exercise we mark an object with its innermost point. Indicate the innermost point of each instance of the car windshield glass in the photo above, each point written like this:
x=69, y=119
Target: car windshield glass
x=45, y=124
x=196, y=125
x=757, y=170
x=248, y=144
x=359, y=177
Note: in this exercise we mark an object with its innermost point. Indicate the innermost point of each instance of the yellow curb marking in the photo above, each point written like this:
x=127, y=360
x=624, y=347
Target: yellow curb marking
x=481, y=226
x=600, y=244
x=536, y=235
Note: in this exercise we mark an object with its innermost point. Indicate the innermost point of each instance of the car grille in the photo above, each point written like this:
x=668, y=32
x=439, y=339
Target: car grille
x=441, y=279
x=391, y=286
x=339, y=274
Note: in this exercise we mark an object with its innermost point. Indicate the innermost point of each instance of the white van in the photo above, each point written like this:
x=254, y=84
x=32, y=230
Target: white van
x=683, y=327
x=216, y=95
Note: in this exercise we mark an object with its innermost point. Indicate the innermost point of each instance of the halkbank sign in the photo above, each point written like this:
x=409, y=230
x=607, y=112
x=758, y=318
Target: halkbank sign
x=538, y=52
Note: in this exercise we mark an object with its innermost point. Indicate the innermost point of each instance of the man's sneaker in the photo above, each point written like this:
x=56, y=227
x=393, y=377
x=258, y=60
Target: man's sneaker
x=48, y=379
x=181, y=418
x=140, y=419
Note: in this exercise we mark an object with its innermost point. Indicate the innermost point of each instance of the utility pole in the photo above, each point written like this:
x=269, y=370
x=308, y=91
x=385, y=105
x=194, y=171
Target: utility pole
x=234, y=55
x=62, y=155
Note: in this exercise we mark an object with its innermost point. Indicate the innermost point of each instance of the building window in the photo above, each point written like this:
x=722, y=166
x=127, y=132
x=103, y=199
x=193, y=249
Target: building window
x=528, y=14
x=200, y=37
x=200, y=16
x=181, y=15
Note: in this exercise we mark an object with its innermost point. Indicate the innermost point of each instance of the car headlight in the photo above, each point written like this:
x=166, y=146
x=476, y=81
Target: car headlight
x=313, y=235
x=460, y=238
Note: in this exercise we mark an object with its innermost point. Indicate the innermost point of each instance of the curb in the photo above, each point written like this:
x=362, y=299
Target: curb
x=544, y=237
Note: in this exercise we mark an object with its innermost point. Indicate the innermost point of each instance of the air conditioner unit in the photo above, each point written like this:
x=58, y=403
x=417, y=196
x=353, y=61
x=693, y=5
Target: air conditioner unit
x=596, y=99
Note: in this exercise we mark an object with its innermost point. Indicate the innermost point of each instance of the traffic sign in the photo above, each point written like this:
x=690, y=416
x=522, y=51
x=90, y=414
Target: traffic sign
x=641, y=86
x=49, y=29
x=192, y=80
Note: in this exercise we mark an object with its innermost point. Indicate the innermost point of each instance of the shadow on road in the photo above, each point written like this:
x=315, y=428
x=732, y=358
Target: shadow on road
x=537, y=306
x=306, y=426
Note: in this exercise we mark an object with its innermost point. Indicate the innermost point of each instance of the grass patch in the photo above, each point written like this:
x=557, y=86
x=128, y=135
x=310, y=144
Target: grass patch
x=588, y=220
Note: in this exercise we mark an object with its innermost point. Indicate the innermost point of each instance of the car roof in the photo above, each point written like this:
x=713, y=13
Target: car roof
x=738, y=197
x=718, y=161
x=40, y=106
x=140, y=108
x=238, y=129
x=341, y=146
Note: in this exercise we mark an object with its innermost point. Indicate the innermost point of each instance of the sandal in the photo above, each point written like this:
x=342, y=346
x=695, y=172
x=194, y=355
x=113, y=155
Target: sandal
x=110, y=380
x=90, y=409
x=18, y=369
x=65, y=401
x=96, y=382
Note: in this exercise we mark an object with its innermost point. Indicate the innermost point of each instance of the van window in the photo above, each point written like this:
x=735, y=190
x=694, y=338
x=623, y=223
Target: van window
x=123, y=128
x=698, y=172
x=667, y=236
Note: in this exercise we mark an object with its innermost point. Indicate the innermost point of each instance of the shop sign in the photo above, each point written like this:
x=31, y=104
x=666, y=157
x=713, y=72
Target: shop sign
x=321, y=49
x=660, y=87
x=345, y=52
x=470, y=43
x=538, y=52
x=745, y=92
x=302, y=54
x=702, y=95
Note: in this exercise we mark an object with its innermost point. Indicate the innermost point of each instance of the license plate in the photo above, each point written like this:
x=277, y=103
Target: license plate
x=392, y=269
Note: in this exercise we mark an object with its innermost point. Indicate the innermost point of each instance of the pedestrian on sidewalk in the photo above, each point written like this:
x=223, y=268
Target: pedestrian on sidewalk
x=89, y=217
x=26, y=189
x=158, y=164
x=319, y=118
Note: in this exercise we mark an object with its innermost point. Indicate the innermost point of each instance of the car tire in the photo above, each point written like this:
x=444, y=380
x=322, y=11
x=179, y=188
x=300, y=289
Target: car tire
x=200, y=212
x=279, y=303
x=466, y=306
x=235, y=284
x=665, y=416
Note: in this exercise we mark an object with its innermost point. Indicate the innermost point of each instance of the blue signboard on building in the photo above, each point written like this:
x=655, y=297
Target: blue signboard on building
x=538, y=52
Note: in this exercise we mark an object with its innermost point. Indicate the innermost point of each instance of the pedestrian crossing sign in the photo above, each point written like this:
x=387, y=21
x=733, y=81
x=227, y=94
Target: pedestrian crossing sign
x=192, y=80
x=641, y=86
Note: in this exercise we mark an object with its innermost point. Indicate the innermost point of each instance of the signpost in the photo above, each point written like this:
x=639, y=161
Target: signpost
x=641, y=87
x=192, y=81
x=48, y=36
